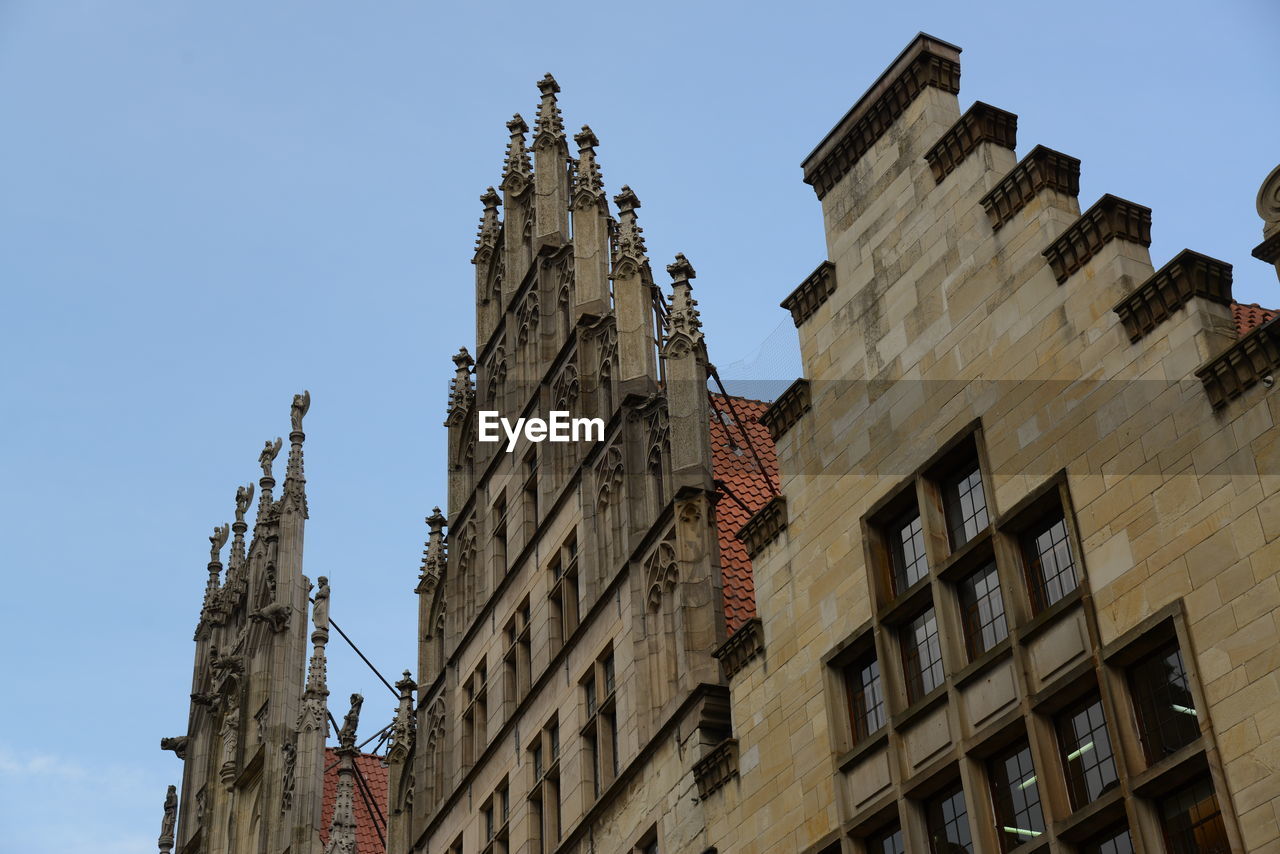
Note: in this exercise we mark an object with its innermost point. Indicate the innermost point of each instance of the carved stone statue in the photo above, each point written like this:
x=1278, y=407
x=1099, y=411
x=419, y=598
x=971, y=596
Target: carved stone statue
x=217, y=541
x=230, y=742
x=169, y=821
x=347, y=735
x=244, y=497
x=301, y=403
x=320, y=610
x=178, y=744
x=268, y=455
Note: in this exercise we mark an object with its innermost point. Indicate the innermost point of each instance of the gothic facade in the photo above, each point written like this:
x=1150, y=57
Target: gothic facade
x=998, y=573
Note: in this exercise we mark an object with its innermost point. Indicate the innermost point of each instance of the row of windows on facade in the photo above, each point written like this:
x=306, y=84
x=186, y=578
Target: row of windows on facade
x=1041, y=540
x=599, y=745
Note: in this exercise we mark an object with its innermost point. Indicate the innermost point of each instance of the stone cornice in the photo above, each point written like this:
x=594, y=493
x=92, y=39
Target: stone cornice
x=981, y=123
x=1042, y=169
x=742, y=646
x=1240, y=367
x=1111, y=218
x=811, y=293
x=784, y=412
x=718, y=767
x=925, y=62
x=1269, y=249
x=765, y=526
x=1188, y=275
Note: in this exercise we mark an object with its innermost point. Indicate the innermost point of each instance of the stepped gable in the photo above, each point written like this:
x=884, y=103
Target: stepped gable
x=733, y=463
x=373, y=770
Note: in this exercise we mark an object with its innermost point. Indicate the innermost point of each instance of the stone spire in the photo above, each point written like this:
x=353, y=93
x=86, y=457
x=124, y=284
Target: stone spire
x=402, y=728
x=517, y=171
x=244, y=497
x=633, y=301
x=295, y=482
x=433, y=557
x=590, y=210
x=265, y=500
x=342, y=831
x=550, y=172
x=314, y=714
x=462, y=388
x=213, y=611
x=487, y=239
x=518, y=205
x=683, y=327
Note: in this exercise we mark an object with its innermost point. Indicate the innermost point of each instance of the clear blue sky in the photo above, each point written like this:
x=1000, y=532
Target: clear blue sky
x=206, y=207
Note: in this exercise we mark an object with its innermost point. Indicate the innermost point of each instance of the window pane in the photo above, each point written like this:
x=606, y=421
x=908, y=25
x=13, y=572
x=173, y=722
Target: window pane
x=906, y=551
x=887, y=841
x=866, y=700
x=921, y=655
x=948, y=823
x=1015, y=793
x=966, y=505
x=1086, y=752
x=1114, y=841
x=1192, y=822
x=982, y=610
x=1166, y=713
x=1051, y=571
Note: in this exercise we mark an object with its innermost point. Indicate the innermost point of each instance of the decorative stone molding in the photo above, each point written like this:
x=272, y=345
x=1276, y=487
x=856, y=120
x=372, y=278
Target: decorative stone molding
x=784, y=412
x=1240, y=367
x=742, y=646
x=1042, y=169
x=982, y=123
x=1269, y=249
x=1188, y=275
x=811, y=293
x=718, y=767
x=926, y=62
x=1111, y=218
x=765, y=526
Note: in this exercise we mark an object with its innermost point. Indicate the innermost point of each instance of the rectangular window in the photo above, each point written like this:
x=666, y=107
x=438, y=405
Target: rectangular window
x=1086, y=752
x=517, y=662
x=1166, y=713
x=921, y=655
x=1015, y=794
x=887, y=841
x=947, y=822
x=1114, y=840
x=600, y=732
x=982, y=611
x=1046, y=554
x=499, y=540
x=906, y=551
x=865, y=697
x=530, y=492
x=965, y=503
x=1192, y=822
x=564, y=593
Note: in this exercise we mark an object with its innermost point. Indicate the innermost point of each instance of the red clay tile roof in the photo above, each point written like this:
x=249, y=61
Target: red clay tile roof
x=733, y=464
x=1249, y=316
x=375, y=774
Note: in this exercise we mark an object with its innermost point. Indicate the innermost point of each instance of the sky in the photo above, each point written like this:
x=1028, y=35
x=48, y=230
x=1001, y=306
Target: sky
x=208, y=207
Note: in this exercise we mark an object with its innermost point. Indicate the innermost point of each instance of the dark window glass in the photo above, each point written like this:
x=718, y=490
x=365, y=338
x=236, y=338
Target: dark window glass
x=887, y=841
x=1116, y=840
x=982, y=611
x=1166, y=713
x=906, y=551
x=866, y=700
x=1192, y=821
x=921, y=655
x=966, y=505
x=1086, y=752
x=947, y=821
x=1051, y=572
x=1015, y=793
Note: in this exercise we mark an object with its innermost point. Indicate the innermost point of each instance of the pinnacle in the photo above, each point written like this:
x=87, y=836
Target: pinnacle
x=586, y=138
x=626, y=200
x=680, y=269
x=517, y=125
x=548, y=85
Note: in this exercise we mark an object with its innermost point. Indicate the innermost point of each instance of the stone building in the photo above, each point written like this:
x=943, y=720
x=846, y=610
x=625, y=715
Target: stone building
x=998, y=573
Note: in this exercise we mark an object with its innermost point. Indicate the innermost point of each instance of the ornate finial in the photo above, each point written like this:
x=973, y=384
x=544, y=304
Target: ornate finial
x=347, y=735
x=462, y=389
x=517, y=171
x=433, y=557
x=295, y=482
x=549, y=128
x=406, y=684
x=629, y=250
x=487, y=239
x=169, y=821
x=588, y=185
x=683, y=327
x=402, y=728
